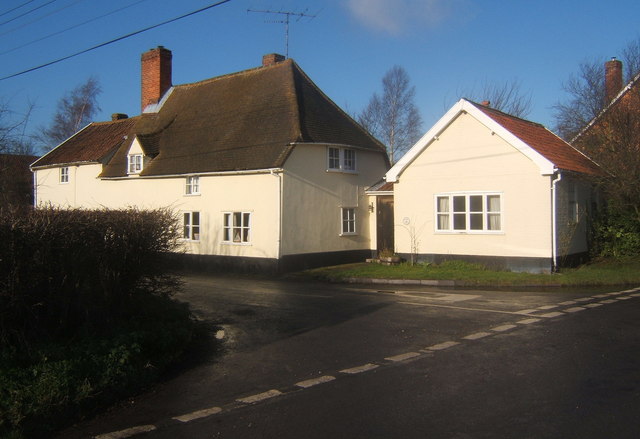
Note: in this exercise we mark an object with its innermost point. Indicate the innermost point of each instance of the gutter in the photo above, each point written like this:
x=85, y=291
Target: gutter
x=199, y=174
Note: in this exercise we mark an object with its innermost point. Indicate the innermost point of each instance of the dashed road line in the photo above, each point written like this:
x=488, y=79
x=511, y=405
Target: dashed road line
x=260, y=397
x=315, y=381
x=550, y=315
x=253, y=399
x=503, y=328
x=359, y=369
x=198, y=414
x=528, y=321
x=477, y=336
x=122, y=434
x=442, y=346
x=402, y=357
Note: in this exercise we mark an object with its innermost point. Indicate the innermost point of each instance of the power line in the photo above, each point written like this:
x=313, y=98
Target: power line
x=71, y=27
x=115, y=40
x=28, y=12
x=16, y=8
x=40, y=18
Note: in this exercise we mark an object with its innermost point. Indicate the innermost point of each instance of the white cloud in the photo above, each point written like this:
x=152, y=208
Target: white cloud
x=400, y=16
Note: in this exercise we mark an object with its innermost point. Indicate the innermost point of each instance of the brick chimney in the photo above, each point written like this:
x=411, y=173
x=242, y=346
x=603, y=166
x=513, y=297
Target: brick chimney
x=612, y=78
x=156, y=75
x=271, y=59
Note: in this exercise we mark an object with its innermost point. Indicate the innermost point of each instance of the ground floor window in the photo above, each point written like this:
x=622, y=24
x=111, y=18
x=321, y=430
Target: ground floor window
x=470, y=212
x=348, y=221
x=191, y=226
x=237, y=227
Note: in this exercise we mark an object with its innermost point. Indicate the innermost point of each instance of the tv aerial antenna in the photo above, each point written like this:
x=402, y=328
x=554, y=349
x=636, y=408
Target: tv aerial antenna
x=285, y=20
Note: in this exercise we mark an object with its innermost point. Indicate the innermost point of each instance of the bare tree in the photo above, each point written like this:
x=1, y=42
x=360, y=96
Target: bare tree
x=506, y=97
x=75, y=110
x=13, y=130
x=393, y=117
x=586, y=92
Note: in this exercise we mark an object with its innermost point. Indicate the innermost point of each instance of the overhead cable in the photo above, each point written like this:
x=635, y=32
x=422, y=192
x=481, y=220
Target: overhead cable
x=115, y=40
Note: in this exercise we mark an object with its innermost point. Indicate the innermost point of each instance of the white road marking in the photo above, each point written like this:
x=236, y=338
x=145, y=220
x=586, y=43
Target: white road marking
x=551, y=314
x=477, y=335
x=402, y=357
x=526, y=311
x=608, y=301
x=260, y=397
x=568, y=302
x=547, y=306
x=360, y=369
x=583, y=299
x=527, y=321
x=461, y=308
x=442, y=346
x=503, y=328
x=593, y=305
x=315, y=381
x=575, y=309
x=600, y=296
x=624, y=298
x=121, y=434
x=442, y=297
x=197, y=414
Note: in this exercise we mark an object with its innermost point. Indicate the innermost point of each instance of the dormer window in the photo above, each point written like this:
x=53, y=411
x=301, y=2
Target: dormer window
x=193, y=185
x=135, y=164
x=341, y=159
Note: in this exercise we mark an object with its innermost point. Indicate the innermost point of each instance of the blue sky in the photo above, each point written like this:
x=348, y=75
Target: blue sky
x=448, y=47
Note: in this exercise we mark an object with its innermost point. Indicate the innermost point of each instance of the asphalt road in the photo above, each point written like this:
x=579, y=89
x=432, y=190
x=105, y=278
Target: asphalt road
x=336, y=361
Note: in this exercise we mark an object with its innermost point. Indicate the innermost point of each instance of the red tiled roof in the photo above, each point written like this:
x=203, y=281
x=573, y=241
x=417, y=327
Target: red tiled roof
x=546, y=143
x=91, y=144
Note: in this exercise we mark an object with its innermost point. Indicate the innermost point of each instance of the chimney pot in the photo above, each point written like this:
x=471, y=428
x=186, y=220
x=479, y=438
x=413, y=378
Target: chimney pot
x=156, y=75
x=118, y=116
x=271, y=59
x=613, y=78
x=486, y=103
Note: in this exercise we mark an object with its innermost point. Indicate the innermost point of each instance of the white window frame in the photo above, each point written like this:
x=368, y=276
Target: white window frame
x=236, y=227
x=191, y=226
x=192, y=185
x=135, y=163
x=451, y=217
x=341, y=159
x=64, y=175
x=348, y=221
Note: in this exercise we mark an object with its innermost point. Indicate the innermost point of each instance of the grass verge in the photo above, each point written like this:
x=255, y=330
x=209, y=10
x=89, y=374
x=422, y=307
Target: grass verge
x=50, y=385
x=600, y=273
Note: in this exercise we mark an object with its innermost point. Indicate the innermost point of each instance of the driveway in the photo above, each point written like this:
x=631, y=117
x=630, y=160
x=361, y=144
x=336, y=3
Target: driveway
x=284, y=342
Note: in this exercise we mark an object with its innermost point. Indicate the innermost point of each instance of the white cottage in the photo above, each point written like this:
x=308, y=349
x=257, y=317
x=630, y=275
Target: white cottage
x=265, y=171
x=485, y=186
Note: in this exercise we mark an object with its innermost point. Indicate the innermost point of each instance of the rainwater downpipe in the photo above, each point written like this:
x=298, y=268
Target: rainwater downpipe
x=554, y=221
x=278, y=175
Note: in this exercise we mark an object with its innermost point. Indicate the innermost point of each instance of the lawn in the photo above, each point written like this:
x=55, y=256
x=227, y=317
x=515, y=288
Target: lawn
x=605, y=272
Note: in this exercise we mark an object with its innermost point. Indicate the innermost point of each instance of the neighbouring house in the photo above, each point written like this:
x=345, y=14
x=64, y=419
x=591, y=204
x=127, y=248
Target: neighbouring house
x=485, y=186
x=264, y=170
x=16, y=180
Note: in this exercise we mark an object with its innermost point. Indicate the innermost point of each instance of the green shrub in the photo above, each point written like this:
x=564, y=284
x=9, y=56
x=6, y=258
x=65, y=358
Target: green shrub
x=617, y=234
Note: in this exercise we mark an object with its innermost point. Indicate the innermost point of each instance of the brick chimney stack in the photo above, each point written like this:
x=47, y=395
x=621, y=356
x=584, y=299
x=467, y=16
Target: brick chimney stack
x=156, y=75
x=612, y=78
x=271, y=59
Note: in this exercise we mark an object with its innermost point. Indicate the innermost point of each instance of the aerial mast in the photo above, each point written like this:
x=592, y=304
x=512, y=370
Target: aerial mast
x=287, y=16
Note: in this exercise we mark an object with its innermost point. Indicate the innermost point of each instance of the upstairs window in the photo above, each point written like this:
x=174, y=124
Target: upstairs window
x=348, y=221
x=135, y=164
x=192, y=186
x=469, y=213
x=341, y=159
x=191, y=226
x=64, y=174
x=237, y=227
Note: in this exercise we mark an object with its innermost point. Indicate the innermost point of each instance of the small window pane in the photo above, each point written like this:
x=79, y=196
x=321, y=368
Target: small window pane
x=459, y=221
x=186, y=222
x=443, y=204
x=493, y=203
x=476, y=221
x=459, y=204
x=493, y=222
x=475, y=203
x=443, y=222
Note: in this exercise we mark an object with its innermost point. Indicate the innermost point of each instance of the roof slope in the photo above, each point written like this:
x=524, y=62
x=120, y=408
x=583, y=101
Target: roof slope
x=242, y=121
x=552, y=147
x=91, y=144
x=548, y=151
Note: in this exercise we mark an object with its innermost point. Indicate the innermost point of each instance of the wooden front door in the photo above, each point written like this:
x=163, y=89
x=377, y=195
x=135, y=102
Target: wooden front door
x=384, y=222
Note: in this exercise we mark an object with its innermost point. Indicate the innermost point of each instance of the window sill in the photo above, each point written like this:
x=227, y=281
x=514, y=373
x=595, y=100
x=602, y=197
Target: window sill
x=348, y=234
x=341, y=171
x=469, y=232
x=236, y=243
x=192, y=195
